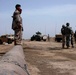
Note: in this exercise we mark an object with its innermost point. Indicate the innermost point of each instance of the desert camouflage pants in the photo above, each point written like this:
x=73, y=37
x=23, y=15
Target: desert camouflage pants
x=18, y=36
x=63, y=41
x=67, y=40
x=75, y=39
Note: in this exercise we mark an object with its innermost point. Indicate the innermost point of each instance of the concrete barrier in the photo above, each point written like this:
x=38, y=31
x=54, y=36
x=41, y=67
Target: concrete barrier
x=13, y=62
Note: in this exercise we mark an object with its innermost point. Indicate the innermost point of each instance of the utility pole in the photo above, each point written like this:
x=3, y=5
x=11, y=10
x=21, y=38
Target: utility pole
x=45, y=29
x=55, y=29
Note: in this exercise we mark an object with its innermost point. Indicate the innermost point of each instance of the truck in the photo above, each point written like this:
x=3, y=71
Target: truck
x=44, y=37
x=58, y=37
x=6, y=39
x=38, y=37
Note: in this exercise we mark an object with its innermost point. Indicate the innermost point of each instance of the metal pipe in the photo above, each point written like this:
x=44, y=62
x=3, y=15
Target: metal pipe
x=13, y=62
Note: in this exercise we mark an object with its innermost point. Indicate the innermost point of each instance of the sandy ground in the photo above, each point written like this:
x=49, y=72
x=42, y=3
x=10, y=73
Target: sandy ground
x=48, y=58
x=5, y=48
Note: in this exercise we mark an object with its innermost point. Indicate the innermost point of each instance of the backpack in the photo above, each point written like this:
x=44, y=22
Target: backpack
x=63, y=31
x=68, y=30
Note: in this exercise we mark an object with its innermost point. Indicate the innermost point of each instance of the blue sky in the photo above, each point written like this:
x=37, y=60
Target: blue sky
x=46, y=16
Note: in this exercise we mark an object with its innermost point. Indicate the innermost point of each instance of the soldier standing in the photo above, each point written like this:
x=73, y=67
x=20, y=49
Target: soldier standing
x=17, y=25
x=72, y=37
x=75, y=36
x=63, y=35
x=68, y=33
x=48, y=37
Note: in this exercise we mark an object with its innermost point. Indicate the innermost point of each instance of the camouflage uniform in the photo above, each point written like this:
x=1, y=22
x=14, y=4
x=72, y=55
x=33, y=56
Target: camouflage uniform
x=17, y=27
x=63, y=35
x=68, y=33
x=75, y=36
x=72, y=37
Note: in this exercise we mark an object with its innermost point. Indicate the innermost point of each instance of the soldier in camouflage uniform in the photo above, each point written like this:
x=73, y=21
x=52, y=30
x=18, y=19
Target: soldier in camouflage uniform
x=63, y=35
x=68, y=34
x=75, y=36
x=72, y=38
x=17, y=25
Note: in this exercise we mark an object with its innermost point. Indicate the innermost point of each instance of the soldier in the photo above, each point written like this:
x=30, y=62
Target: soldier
x=48, y=37
x=63, y=35
x=68, y=33
x=72, y=37
x=75, y=36
x=17, y=25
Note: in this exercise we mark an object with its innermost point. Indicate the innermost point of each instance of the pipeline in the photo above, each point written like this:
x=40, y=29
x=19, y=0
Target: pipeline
x=13, y=62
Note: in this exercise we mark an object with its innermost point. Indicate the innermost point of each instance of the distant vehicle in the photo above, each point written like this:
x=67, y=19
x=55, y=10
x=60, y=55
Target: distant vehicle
x=38, y=37
x=6, y=39
x=11, y=37
x=58, y=37
x=44, y=38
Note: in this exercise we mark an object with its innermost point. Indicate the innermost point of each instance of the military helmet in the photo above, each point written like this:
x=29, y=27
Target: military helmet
x=63, y=26
x=67, y=24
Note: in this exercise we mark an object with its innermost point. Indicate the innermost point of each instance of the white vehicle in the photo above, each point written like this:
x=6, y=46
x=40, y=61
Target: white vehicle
x=44, y=37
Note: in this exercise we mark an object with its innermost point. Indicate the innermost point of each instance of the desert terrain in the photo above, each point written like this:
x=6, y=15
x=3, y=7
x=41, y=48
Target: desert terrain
x=48, y=58
x=5, y=48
